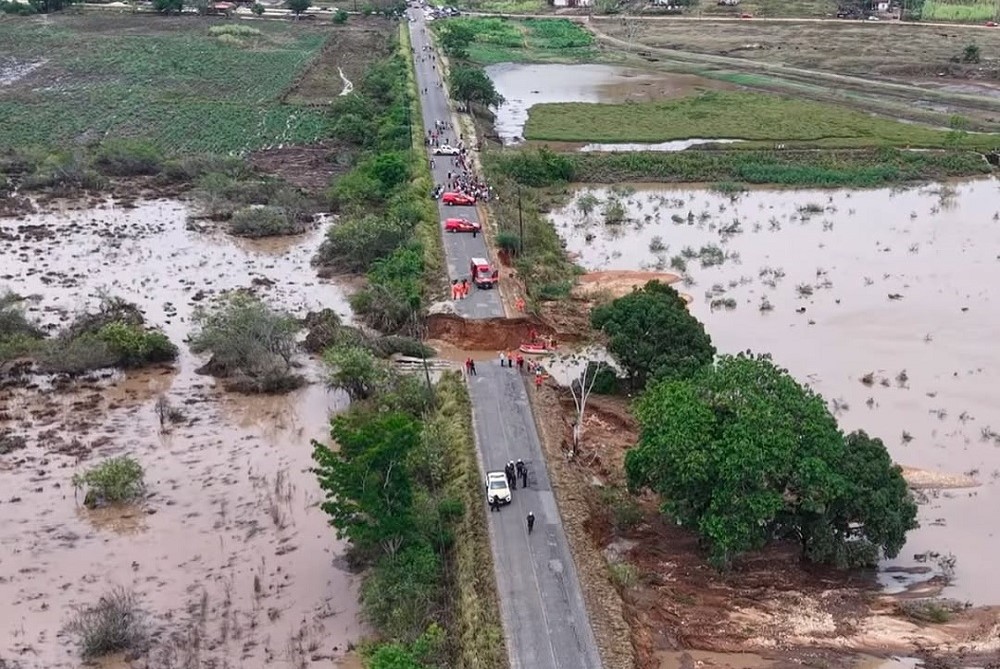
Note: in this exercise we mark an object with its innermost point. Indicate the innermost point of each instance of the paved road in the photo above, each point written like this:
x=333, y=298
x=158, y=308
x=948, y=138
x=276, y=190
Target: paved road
x=541, y=603
x=460, y=248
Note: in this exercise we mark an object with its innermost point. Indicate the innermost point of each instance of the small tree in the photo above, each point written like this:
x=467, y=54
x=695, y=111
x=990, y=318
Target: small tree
x=252, y=345
x=587, y=203
x=369, y=495
x=339, y=17
x=168, y=6
x=298, y=6
x=652, y=335
x=971, y=53
x=580, y=387
x=356, y=371
x=455, y=39
x=472, y=84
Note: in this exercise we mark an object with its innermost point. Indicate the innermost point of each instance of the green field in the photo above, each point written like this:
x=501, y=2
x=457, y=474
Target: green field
x=528, y=41
x=166, y=80
x=974, y=11
x=755, y=117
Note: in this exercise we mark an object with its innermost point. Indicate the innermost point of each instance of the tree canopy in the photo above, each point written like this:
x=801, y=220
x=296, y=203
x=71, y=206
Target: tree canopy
x=652, y=335
x=455, y=38
x=369, y=493
x=744, y=455
x=472, y=84
x=298, y=6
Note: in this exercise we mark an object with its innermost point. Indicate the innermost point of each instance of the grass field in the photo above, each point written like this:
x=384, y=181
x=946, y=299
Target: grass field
x=171, y=81
x=736, y=115
x=531, y=40
x=975, y=11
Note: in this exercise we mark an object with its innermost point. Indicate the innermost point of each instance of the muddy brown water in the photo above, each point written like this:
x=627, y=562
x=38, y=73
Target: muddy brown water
x=525, y=85
x=230, y=555
x=875, y=282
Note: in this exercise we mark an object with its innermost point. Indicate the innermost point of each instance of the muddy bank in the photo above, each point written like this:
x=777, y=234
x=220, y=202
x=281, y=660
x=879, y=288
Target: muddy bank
x=878, y=299
x=490, y=334
x=229, y=554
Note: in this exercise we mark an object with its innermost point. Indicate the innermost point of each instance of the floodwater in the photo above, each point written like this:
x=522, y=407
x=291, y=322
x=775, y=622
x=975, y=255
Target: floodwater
x=525, y=85
x=673, y=145
x=882, y=300
x=230, y=555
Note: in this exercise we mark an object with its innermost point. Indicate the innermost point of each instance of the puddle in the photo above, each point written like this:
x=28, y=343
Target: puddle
x=524, y=85
x=827, y=263
x=231, y=555
x=675, y=145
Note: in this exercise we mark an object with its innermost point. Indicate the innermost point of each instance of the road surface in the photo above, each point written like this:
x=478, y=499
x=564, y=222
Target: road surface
x=541, y=603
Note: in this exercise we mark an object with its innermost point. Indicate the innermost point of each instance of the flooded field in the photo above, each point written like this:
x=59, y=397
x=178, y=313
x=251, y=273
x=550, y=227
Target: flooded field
x=525, y=85
x=230, y=554
x=881, y=300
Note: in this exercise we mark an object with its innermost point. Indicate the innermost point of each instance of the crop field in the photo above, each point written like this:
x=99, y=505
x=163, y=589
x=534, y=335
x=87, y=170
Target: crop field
x=737, y=115
x=898, y=50
x=531, y=40
x=949, y=10
x=184, y=84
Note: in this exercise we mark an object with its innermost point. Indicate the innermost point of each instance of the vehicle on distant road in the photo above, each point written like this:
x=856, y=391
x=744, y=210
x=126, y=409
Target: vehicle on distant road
x=461, y=225
x=458, y=199
x=874, y=18
x=496, y=485
x=991, y=24
x=746, y=16
x=446, y=150
x=483, y=276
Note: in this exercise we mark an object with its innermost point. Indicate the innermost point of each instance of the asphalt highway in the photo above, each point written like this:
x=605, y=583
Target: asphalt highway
x=541, y=602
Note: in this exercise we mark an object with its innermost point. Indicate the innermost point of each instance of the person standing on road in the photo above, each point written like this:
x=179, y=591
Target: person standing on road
x=465, y=288
x=531, y=522
x=508, y=471
x=522, y=471
x=494, y=503
x=503, y=358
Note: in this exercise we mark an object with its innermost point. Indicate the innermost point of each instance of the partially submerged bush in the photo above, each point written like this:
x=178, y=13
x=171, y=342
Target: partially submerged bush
x=18, y=336
x=125, y=158
x=115, y=481
x=64, y=172
x=134, y=346
x=252, y=345
x=353, y=243
x=115, y=624
x=264, y=221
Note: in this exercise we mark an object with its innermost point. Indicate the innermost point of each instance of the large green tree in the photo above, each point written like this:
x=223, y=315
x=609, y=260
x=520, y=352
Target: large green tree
x=471, y=84
x=456, y=37
x=369, y=493
x=743, y=454
x=652, y=335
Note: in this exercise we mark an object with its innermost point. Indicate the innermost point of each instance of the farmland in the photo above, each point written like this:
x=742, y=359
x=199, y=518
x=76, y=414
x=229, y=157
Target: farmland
x=174, y=82
x=531, y=40
x=737, y=115
x=948, y=10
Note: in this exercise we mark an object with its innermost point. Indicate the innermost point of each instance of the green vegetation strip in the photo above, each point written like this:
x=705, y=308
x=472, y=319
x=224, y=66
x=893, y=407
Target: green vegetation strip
x=975, y=10
x=739, y=115
x=823, y=168
x=495, y=40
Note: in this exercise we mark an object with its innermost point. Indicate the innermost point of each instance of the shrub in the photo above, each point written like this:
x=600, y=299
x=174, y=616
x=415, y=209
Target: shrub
x=257, y=9
x=356, y=371
x=134, y=346
x=64, y=172
x=264, y=221
x=252, y=346
x=235, y=29
x=74, y=355
x=353, y=243
x=625, y=512
x=13, y=322
x=123, y=158
x=115, y=624
x=509, y=242
x=168, y=6
x=339, y=17
x=624, y=574
x=401, y=594
x=113, y=481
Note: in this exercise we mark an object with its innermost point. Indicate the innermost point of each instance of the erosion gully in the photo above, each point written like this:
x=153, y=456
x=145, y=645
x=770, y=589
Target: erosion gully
x=881, y=300
x=230, y=554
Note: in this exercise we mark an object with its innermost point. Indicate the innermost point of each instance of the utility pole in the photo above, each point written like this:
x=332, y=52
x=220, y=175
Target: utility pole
x=520, y=221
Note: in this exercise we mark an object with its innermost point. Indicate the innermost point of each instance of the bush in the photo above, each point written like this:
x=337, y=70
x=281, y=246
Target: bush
x=400, y=596
x=257, y=9
x=125, y=158
x=264, y=221
x=252, y=346
x=115, y=624
x=114, y=481
x=235, y=29
x=64, y=172
x=17, y=8
x=75, y=355
x=509, y=242
x=13, y=322
x=168, y=6
x=356, y=371
x=606, y=381
x=339, y=17
x=355, y=242
x=624, y=574
x=134, y=346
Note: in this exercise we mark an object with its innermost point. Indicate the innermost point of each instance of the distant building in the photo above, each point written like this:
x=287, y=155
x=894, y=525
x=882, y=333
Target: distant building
x=728, y=3
x=571, y=3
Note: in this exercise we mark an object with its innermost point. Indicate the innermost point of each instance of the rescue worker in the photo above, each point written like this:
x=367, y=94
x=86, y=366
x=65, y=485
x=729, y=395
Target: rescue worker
x=494, y=503
x=524, y=474
x=531, y=522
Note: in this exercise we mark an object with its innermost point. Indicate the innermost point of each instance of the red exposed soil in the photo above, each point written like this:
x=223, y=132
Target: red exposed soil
x=489, y=334
x=310, y=168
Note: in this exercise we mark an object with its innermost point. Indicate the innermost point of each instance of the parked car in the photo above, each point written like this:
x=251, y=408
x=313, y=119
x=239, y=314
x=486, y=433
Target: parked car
x=460, y=199
x=461, y=225
x=483, y=276
x=446, y=150
x=746, y=16
x=496, y=485
x=991, y=24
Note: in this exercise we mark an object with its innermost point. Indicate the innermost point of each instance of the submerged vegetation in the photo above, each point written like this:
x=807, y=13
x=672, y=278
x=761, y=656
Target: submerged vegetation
x=495, y=40
x=113, y=481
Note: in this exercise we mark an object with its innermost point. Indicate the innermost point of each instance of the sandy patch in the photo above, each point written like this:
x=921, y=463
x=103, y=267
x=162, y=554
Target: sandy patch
x=618, y=283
